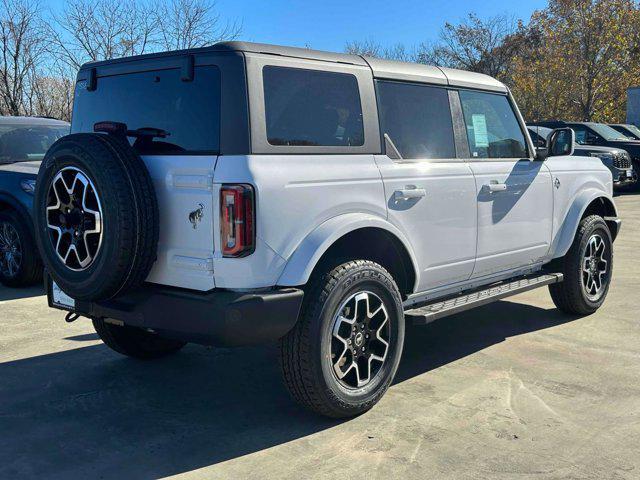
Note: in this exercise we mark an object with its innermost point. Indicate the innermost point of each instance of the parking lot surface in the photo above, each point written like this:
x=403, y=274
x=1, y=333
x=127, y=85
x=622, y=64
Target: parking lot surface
x=511, y=390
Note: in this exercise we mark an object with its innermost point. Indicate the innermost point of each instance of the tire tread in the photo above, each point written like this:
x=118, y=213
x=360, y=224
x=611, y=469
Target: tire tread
x=567, y=295
x=295, y=348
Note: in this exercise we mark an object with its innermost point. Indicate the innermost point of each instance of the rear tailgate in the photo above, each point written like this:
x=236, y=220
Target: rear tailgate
x=184, y=188
x=181, y=161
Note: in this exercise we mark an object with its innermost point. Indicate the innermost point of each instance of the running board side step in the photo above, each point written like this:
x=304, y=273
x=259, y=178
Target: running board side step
x=459, y=303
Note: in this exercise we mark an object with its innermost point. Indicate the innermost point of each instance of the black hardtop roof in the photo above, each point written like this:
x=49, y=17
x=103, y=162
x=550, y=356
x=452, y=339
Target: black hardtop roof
x=236, y=46
x=388, y=69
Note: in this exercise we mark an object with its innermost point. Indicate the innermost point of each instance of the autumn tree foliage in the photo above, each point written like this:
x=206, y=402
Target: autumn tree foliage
x=572, y=60
x=583, y=58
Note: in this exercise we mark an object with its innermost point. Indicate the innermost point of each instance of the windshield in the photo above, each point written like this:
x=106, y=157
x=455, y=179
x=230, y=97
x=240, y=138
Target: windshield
x=608, y=133
x=541, y=131
x=633, y=129
x=23, y=142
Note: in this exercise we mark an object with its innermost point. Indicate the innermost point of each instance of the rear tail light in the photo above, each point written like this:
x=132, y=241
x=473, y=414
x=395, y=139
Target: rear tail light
x=237, y=218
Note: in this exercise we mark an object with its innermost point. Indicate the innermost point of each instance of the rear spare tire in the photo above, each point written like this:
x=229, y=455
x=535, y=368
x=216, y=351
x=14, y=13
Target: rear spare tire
x=96, y=216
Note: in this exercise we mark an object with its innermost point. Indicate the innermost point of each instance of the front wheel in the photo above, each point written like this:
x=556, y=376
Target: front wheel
x=343, y=353
x=587, y=269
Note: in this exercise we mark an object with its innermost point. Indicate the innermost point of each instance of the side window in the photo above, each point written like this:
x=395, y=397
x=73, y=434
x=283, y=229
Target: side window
x=537, y=139
x=312, y=108
x=581, y=134
x=492, y=126
x=417, y=118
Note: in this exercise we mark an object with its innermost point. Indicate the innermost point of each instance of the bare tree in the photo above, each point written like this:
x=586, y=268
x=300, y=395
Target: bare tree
x=51, y=94
x=191, y=23
x=474, y=44
x=89, y=30
x=372, y=48
x=22, y=45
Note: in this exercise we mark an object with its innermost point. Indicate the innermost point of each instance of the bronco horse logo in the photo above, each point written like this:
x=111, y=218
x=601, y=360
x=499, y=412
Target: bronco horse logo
x=196, y=216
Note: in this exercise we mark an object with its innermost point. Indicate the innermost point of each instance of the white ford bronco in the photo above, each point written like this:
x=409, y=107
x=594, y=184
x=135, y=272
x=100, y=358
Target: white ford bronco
x=245, y=193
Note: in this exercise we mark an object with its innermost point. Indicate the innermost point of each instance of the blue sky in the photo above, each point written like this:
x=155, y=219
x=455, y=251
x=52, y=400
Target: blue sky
x=329, y=24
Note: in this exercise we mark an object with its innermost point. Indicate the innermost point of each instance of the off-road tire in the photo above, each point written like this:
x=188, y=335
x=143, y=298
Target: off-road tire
x=569, y=295
x=130, y=215
x=135, y=342
x=30, y=269
x=305, y=362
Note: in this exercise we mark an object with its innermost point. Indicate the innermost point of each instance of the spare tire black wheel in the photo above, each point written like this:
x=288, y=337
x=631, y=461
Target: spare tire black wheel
x=96, y=216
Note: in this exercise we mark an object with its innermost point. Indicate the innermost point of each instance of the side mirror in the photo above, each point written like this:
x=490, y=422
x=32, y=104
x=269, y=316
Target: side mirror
x=561, y=142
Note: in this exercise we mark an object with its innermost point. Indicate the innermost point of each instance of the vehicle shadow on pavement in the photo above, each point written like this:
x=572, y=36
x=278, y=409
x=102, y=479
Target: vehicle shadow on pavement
x=446, y=340
x=7, y=293
x=89, y=413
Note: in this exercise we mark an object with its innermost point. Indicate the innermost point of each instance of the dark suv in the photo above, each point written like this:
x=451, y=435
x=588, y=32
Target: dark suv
x=23, y=143
x=601, y=135
x=615, y=159
x=627, y=130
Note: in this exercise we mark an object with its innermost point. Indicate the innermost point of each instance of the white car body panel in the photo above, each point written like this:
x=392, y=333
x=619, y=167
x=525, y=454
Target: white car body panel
x=441, y=226
x=514, y=225
x=580, y=180
x=185, y=254
x=300, y=265
x=294, y=195
x=304, y=203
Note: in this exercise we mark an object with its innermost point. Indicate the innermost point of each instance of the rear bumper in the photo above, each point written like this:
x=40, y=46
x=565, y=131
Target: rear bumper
x=220, y=317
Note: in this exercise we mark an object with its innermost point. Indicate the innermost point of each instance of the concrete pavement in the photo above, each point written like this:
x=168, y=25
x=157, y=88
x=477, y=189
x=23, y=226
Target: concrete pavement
x=512, y=390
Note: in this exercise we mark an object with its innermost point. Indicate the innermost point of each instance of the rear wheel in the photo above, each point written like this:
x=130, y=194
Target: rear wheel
x=343, y=353
x=587, y=268
x=135, y=342
x=20, y=264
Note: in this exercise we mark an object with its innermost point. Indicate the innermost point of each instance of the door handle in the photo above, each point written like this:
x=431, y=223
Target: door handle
x=495, y=186
x=409, y=192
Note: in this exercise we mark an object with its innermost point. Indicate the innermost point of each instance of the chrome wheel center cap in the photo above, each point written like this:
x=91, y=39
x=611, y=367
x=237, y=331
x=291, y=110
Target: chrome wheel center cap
x=359, y=340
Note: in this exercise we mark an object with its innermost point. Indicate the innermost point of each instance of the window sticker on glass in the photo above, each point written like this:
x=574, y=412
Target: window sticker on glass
x=480, y=130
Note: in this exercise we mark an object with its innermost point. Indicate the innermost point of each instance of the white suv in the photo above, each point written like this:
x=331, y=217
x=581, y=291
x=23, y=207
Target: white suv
x=246, y=193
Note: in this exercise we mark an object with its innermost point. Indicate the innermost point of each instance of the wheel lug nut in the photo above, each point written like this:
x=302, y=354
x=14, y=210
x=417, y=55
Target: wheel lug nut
x=349, y=341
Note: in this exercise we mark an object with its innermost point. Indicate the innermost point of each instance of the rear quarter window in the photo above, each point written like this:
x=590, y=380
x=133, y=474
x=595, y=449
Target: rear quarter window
x=312, y=108
x=188, y=111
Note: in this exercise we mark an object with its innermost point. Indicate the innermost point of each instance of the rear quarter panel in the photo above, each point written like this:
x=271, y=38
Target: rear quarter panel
x=294, y=195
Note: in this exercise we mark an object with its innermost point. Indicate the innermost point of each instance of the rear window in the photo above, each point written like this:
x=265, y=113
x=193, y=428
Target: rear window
x=312, y=108
x=188, y=111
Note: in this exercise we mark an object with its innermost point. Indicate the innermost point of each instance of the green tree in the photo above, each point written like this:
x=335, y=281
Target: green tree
x=585, y=58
